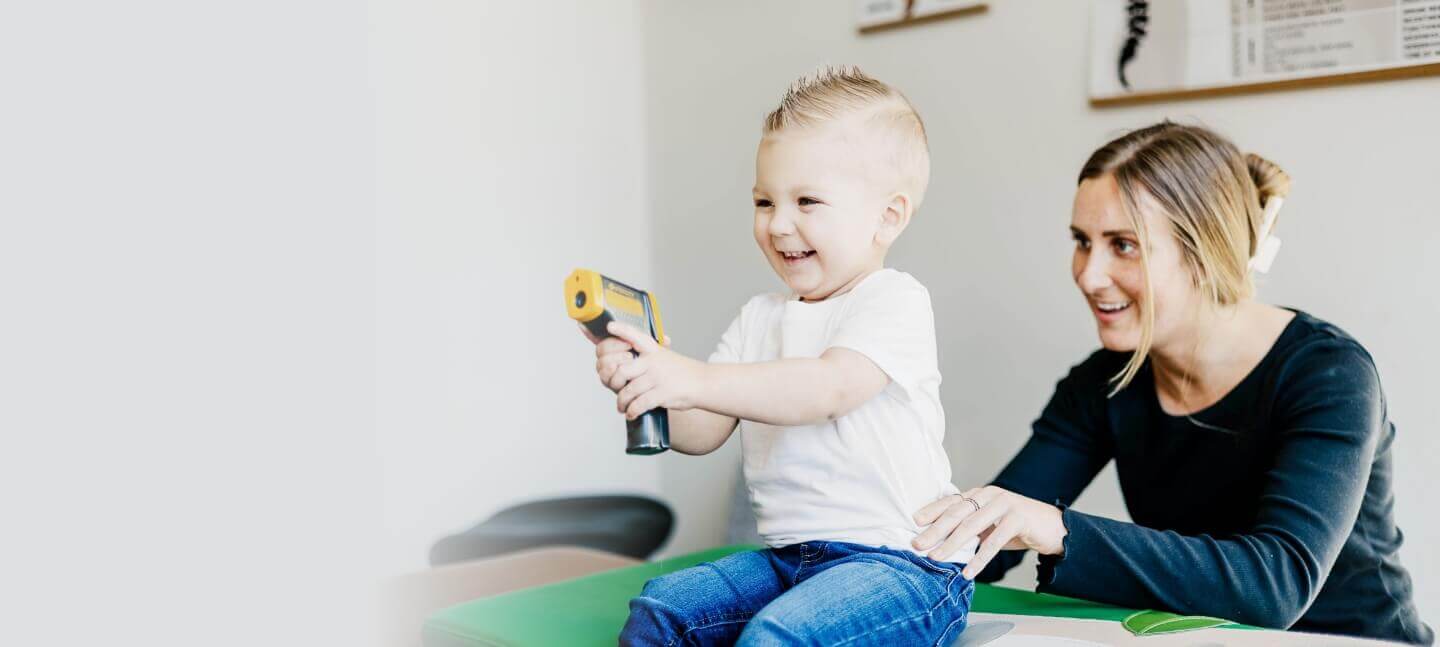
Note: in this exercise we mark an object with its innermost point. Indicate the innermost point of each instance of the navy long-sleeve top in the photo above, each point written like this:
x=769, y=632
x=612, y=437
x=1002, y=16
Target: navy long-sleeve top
x=1272, y=507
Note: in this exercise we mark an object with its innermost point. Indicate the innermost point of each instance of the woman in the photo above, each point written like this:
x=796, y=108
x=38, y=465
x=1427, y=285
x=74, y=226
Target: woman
x=1251, y=442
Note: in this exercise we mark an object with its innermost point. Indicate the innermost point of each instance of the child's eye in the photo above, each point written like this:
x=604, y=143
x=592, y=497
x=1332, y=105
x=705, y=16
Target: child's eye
x=761, y=203
x=805, y=202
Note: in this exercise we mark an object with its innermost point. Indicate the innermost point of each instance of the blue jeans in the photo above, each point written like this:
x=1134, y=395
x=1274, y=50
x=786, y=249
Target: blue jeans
x=813, y=593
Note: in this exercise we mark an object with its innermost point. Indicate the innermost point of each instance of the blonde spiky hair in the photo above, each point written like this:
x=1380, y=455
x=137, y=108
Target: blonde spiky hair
x=833, y=93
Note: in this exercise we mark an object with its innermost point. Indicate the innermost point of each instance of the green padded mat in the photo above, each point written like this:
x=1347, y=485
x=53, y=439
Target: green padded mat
x=591, y=610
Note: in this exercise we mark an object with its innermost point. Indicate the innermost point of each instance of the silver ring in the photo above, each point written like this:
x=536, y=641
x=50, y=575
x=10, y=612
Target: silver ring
x=971, y=502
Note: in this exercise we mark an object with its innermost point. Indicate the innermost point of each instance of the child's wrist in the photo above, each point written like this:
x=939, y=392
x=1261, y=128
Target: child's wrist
x=703, y=384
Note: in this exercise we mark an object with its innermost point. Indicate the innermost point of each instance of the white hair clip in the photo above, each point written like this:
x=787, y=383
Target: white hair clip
x=1269, y=245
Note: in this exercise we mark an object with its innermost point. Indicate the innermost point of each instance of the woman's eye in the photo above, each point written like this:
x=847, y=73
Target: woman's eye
x=1081, y=243
x=762, y=204
x=1123, y=246
x=805, y=202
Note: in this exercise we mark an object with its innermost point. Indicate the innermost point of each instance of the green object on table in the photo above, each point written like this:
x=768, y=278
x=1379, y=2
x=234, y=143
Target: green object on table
x=990, y=598
x=1152, y=623
x=588, y=610
x=591, y=610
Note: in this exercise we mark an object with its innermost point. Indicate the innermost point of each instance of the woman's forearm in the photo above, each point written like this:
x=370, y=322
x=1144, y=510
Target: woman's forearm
x=1263, y=579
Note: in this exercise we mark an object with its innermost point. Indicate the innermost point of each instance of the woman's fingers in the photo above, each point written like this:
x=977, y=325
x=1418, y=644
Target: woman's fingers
x=994, y=541
x=942, y=525
x=968, y=528
x=998, y=518
x=926, y=515
x=966, y=531
x=946, y=515
x=929, y=513
x=942, y=516
x=988, y=514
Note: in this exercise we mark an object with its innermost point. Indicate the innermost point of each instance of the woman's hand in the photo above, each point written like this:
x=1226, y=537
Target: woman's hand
x=1001, y=519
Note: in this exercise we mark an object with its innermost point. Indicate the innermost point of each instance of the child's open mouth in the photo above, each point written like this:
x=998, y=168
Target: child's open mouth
x=795, y=258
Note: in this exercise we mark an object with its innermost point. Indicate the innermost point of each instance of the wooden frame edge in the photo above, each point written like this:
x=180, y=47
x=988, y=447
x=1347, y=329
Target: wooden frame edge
x=906, y=22
x=1386, y=74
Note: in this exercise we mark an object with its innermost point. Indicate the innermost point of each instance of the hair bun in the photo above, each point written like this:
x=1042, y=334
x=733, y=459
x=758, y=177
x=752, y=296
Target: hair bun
x=1271, y=181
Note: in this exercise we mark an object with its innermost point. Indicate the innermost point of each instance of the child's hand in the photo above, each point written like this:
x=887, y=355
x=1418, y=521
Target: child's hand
x=610, y=354
x=659, y=377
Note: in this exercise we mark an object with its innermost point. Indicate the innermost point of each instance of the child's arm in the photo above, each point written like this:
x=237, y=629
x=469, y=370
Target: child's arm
x=791, y=392
x=785, y=392
x=697, y=431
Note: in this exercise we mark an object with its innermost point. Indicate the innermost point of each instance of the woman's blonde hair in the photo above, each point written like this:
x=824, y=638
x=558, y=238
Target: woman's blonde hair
x=1214, y=198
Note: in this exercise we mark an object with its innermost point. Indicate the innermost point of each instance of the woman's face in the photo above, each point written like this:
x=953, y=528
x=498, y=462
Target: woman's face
x=1109, y=272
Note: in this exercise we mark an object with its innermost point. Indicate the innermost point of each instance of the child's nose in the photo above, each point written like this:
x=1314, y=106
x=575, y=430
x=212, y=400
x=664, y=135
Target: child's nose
x=782, y=224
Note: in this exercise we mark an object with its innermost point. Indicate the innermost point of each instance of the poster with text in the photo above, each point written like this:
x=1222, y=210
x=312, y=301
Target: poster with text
x=1171, y=47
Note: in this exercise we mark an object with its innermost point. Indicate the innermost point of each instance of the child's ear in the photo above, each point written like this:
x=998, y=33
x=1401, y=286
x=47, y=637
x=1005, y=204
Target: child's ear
x=894, y=219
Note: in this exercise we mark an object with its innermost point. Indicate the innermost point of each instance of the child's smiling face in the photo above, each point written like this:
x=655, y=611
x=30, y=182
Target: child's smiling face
x=820, y=212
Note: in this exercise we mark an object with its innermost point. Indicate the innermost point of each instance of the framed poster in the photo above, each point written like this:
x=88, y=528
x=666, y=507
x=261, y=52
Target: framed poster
x=879, y=15
x=1168, y=49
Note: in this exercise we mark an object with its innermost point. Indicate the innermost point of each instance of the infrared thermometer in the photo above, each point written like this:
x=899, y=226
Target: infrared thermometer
x=595, y=300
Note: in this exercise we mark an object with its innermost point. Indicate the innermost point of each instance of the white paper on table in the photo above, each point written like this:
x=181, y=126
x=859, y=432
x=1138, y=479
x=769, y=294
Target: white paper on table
x=1040, y=641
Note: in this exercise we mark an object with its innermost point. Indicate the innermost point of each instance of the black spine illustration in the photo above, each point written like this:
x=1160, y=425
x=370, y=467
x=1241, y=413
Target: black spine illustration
x=1139, y=18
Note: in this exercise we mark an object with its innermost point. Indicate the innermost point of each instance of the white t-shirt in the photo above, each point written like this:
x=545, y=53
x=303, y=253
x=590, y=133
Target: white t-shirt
x=860, y=477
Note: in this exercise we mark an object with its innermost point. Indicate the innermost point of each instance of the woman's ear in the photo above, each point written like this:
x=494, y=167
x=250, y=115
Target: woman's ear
x=894, y=219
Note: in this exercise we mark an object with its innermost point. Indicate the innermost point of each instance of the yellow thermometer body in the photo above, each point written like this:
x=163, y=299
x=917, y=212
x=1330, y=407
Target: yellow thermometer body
x=595, y=300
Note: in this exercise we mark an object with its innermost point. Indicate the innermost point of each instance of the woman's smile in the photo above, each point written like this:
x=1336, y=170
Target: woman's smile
x=1110, y=312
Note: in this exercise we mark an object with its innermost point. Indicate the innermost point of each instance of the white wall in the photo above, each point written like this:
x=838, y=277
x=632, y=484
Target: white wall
x=509, y=151
x=185, y=302
x=1003, y=95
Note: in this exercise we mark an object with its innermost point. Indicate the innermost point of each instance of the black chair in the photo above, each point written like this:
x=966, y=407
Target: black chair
x=627, y=525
